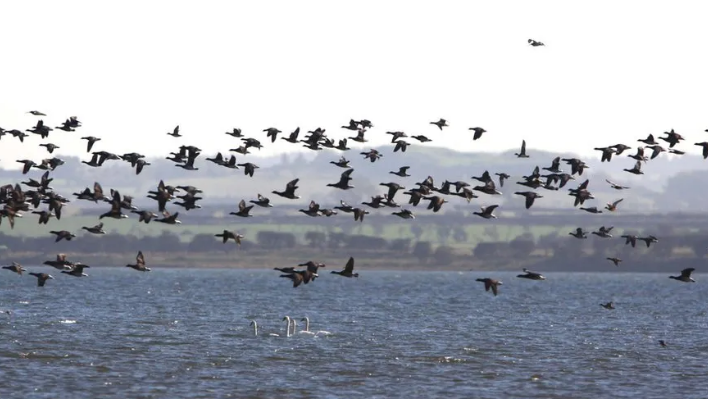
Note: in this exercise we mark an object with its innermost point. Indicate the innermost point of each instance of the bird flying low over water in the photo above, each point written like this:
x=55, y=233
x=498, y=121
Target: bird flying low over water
x=490, y=283
x=685, y=276
x=16, y=268
x=528, y=274
x=42, y=278
x=348, y=269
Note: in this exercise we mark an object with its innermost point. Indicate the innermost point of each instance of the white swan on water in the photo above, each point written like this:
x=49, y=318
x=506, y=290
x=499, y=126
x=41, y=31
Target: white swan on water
x=307, y=328
x=255, y=330
x=287, y=329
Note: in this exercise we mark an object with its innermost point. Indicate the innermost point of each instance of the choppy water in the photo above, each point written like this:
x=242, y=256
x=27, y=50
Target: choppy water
x=185, y=334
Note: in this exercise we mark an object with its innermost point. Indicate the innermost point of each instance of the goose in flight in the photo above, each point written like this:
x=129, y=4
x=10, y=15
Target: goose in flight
x=616, y=186
x=579, y=233
x=491, y=284
x=530, y=197
x=612, y=206
x=440, y=123
x=522, y=153
x=289, y=190
x=77, y=270
x=478, y=131
x=685, y=276
x=139, y=263
x=348, y=269
x=175, y=132
x=528, y=274
x=226, y=235
x=487, y=212
x=604, y=232
x=262, y=202
x=614, y=260
x=637, y=169
x=42, y=278
x=15, y=268
x=243, y=210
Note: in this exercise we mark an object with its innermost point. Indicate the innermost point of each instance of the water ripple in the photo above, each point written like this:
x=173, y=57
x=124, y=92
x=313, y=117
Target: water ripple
x=185, y=333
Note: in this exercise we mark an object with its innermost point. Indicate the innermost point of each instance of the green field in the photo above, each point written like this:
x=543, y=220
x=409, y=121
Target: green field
x=475, y=233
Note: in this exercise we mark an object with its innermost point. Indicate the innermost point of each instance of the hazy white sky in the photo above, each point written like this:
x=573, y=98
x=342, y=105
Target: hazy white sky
x=610, y=72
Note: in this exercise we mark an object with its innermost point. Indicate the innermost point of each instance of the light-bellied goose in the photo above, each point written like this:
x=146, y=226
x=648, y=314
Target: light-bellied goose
x=139, y=263
x=685, y=276
x=226, y=235
x=531, y=275
x=491, y=284
x=42, y=278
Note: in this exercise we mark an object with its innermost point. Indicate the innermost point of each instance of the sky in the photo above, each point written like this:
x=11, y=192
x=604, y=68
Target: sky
x=610, y=72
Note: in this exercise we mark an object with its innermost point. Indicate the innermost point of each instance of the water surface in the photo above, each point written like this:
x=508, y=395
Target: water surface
x=176, y=333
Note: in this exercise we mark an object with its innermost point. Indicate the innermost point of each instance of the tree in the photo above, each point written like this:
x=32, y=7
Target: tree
x=422, y=250
x=315, y=239
x=459, y=234
x=443, y=232
x=416, y=230
x=445, y=255
x=401, y=245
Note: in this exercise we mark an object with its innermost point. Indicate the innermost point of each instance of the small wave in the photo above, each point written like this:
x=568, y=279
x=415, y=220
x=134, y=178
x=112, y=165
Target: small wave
x=438, y=359
x=67, y=321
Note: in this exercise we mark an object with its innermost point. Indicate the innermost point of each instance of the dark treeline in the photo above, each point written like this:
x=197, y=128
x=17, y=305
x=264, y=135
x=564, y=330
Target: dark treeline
x=555, y=250
x=536, y=216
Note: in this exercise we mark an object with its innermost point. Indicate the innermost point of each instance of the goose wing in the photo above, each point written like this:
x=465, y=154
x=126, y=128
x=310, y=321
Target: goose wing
x=490, y=208
x=392, y=189
x=529, y=272
x=349, y=267
x=292, y=185
x=687, y=272
x=346, y=176
x=140, y=259
x=97, y=190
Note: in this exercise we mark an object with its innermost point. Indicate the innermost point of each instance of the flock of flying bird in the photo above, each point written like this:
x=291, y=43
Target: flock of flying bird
x=16, y=200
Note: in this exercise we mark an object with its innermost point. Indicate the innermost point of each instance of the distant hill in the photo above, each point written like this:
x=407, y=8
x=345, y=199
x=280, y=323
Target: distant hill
x=670, y=183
